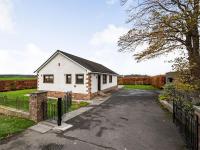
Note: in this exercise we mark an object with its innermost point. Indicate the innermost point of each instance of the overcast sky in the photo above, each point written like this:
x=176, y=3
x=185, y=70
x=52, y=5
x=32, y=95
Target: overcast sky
x=32, y=30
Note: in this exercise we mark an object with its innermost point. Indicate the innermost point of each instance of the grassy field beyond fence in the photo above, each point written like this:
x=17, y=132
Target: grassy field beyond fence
x=17, y=77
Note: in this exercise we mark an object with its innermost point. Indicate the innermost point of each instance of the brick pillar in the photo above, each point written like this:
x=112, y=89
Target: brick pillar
x=38, y=106
x=89, y=85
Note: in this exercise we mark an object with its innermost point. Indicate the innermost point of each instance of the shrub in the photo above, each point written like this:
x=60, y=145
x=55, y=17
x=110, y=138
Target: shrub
x=168, y=92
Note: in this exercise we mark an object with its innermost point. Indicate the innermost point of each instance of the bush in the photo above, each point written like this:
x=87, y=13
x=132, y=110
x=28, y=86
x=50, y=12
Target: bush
x=170, y=93
x=167, y=93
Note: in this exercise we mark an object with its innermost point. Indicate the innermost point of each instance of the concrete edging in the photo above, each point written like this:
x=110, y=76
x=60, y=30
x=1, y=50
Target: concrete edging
x=166, y=105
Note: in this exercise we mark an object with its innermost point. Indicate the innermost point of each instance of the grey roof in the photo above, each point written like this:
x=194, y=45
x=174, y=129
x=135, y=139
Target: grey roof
x=90, y=65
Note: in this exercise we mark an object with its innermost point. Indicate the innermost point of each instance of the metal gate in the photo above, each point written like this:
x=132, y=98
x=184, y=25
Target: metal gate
x=188, y=125
x=56, y=108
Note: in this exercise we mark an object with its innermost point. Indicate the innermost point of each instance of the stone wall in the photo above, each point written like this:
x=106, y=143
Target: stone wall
x=58, y=94
x=79, y=96
x=17, y=85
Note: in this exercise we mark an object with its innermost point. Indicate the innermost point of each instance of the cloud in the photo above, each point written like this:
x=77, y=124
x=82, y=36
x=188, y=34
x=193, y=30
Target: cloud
x=110, y=35
x=111, y=2
x=105, y=51
x=24, y=61
x=6, y=18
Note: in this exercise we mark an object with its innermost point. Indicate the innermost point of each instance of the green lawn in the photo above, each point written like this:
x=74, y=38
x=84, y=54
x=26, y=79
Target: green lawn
x=139, y=87
x=10, y=125
x=76, y=105
x=17, y=78
x=18, y=93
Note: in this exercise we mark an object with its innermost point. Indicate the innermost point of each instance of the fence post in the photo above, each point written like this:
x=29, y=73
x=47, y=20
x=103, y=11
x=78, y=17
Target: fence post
x=59, y=111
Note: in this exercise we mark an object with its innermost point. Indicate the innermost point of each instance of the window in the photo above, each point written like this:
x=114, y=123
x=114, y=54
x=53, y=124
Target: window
x=170, y=80
x=79, y=79
x=48, y=78
x=104, y=79
x=110, y=78
x=68, y=78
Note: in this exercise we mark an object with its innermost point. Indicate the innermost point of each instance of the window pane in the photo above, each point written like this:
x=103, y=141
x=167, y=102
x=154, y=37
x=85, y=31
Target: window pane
x=110, y=79
x=48, y=79
x=68, y=78
x=79, y=79
x=104, y=79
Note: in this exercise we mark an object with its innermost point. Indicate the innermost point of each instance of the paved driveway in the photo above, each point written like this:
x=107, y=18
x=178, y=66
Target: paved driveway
x=129, y=120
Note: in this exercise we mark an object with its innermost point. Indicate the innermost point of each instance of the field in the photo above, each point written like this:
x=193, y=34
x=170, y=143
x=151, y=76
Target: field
x=139, y=87
x=10, y=125
x=17, y=77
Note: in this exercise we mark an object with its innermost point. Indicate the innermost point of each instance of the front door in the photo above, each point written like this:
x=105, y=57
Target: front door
x=99, y=83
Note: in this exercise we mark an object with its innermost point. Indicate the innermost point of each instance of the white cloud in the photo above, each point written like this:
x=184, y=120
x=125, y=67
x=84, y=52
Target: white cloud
x=110, y=35
x=6, y=19
x=111, y=2
x=24, y=61
x=105, y=51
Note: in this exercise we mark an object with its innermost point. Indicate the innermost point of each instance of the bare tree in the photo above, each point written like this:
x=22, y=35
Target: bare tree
x=166, y=26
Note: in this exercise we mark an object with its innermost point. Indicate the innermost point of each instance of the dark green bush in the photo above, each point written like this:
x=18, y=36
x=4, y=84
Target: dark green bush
x=168, y=92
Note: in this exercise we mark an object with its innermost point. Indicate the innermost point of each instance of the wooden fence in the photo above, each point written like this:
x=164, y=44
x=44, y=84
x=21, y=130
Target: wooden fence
x=17, y=85
x=156, y=81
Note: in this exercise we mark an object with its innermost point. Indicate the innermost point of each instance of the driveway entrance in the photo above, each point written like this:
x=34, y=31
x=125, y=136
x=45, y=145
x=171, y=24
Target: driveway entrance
x=129, y=120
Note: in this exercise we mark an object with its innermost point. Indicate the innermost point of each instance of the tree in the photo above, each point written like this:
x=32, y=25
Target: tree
x=166, y=26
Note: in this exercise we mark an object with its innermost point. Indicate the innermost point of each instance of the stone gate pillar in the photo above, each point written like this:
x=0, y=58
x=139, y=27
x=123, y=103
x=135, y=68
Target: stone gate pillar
x=38, y=106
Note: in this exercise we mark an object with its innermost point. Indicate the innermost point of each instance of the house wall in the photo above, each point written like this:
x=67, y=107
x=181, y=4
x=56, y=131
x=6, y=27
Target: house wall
x=108, y=85
x=94, y=80
x=66, y=67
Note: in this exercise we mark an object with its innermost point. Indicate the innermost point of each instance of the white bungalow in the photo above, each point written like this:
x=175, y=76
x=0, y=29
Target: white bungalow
x=64, y=72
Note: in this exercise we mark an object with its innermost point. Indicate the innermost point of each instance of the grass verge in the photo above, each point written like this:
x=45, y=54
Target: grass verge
x=11, y=125
x=139, y=87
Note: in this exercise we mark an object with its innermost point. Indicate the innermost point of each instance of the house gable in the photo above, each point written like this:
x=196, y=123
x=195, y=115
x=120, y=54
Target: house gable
x=53, y=57
x=59, y=66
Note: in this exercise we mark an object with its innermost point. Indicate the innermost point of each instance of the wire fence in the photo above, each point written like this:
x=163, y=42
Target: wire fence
x=20, y=103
